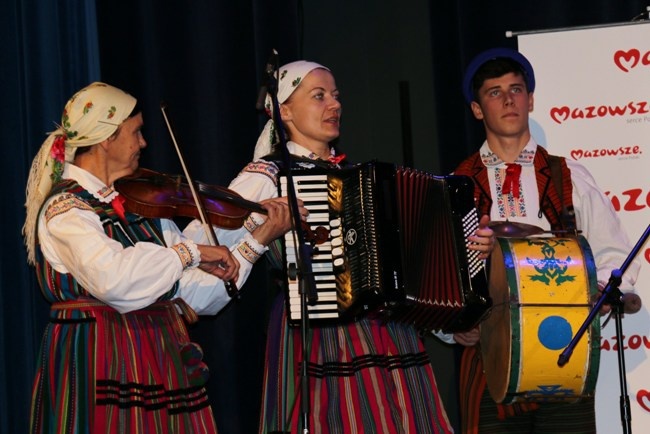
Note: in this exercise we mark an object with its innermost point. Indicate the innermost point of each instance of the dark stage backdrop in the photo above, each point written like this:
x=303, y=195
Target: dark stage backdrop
x=49, y=50
x=398, y=65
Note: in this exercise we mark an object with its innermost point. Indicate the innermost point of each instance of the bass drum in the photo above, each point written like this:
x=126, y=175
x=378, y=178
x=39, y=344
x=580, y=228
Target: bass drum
x=541, y=290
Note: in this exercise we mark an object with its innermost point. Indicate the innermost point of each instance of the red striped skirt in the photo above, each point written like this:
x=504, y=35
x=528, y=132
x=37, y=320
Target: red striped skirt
x=105, y=372
x=364, y=377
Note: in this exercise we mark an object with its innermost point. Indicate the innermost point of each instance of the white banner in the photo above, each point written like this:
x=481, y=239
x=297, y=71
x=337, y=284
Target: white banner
x=592, y=105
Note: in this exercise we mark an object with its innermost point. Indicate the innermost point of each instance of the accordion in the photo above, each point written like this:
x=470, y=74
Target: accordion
x=397, y=248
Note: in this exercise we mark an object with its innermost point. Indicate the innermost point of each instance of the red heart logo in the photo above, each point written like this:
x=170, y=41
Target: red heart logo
x=559, y=114
x=630, y=57
x=643, y=396
x=647, y=255
x=576, y=154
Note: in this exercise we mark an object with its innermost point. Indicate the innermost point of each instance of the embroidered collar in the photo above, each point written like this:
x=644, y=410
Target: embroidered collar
x=525, y=158
x=301, y=151
x=90, y=183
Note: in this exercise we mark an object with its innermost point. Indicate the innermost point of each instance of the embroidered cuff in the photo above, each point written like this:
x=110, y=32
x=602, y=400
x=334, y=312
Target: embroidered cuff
x=250, y=249
x=253, y=221
x=188, y=253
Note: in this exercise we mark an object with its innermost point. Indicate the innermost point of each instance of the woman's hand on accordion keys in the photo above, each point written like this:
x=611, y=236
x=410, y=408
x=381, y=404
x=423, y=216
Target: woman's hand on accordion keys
x=484, y=238
x=278, y=219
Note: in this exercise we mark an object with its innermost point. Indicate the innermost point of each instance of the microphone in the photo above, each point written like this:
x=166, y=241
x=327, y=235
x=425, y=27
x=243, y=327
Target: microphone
x=269, y=69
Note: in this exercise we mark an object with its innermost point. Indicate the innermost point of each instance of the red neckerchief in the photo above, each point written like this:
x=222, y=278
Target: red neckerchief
x=118, y=206
x=336, y=159
x=511, y=183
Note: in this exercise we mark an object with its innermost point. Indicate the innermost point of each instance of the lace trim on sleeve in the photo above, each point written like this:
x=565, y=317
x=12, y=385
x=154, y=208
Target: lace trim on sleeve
x=250, y=249
x=252, y=222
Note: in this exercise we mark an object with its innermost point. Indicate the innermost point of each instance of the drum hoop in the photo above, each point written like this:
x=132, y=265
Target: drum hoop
x=594, y=329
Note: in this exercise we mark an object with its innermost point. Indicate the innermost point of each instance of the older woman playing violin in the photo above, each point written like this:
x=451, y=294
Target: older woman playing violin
x=116, y=356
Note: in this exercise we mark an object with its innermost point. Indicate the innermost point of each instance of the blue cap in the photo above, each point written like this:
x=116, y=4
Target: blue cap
x=492, y=54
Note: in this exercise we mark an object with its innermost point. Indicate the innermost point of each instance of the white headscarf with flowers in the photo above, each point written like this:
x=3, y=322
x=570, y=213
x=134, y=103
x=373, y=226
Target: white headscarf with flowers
x=290, y=76
x=91, y=116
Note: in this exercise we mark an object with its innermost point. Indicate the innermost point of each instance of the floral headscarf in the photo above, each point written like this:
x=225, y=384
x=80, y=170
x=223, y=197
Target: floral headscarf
x=91, y=116
x=290, y=76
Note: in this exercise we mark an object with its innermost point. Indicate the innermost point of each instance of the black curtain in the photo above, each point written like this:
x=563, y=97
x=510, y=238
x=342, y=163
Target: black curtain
x=49, y=51
x=204, y=59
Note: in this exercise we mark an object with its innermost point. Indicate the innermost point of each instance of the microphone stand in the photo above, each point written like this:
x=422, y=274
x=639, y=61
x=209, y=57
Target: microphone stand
x=304, y=252
x=613, y=296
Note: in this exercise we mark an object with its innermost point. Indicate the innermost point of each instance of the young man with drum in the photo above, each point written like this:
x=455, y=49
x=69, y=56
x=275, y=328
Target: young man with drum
x=522, y=187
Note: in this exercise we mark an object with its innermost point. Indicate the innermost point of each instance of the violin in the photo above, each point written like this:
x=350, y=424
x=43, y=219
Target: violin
x=153, y=194
x=157, y=195
x=171, y=199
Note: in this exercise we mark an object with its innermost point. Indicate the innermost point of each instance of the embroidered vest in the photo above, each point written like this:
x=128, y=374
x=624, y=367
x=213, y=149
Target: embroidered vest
x=57, y=286
x=553, y=183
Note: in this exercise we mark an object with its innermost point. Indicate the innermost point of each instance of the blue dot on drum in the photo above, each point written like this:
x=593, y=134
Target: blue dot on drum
x=555, y=332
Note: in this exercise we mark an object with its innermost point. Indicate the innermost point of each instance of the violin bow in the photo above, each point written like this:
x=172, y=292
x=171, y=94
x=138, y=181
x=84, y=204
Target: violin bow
x=231, y=287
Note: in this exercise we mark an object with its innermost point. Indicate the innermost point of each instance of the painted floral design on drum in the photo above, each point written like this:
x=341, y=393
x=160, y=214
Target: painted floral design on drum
x=550, y=268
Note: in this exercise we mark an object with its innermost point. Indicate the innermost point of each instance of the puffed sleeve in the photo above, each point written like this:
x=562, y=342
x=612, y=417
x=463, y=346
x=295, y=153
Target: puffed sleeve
x=602, y=228
x=73, y=241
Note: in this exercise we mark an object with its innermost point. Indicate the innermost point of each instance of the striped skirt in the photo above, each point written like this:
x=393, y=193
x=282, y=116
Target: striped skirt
x=105, y=372
x=364, y=377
